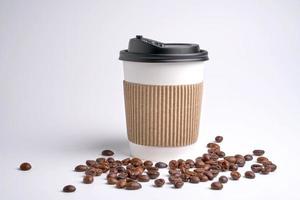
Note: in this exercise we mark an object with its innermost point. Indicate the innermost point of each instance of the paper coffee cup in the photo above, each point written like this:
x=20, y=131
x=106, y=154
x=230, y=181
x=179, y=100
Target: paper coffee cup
x=163, y=87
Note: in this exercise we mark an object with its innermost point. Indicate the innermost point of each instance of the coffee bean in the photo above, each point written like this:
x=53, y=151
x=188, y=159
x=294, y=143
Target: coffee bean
x=88, y=179
x=262, y=160
x=258, y=152
x=235, y=175
x=136, y=162
x=248, y=157
x=93, y=172
x=80, y=168
x=209, y=175
x=219, y=139
x=178, y=184
x=233, y=167
x=213, y=145
x=272, y=167
x=194, y=179
x=266, y=170
x=148, y=163
x=69, y=188
x=110, y=160
x=133, y=185
x=25, y=166
x=91, y=163
x=121, y=183
x=173, y=164
x=100, y=160
x=249, y=174
x=107, y=153
x=153, y=174
x=203, y=178
x=240, y=162
x=159, y=182
x=230, y=159
x=223, y=179
x=126, y=161
x=111, y=180
x=216, y=186
x=173, y=179
x=161, y=165
x=256, y=168
x=143, y=178
x=221, y=154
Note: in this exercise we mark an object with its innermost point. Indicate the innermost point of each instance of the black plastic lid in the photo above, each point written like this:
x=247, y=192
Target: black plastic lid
x=141, y=49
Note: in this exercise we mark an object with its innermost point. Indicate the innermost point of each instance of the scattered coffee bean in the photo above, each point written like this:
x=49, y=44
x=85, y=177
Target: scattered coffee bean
x=216, y=186
x=178, y=184
x=107, y=153
x=272, y=167
x=133, y=185
x=248, y=157
x=223, y=179
x=88, y=179
x=249, y=174
x=153, y=174
x=111, y=180
x=121, y=183
x=262, y=159
x=148, y=163
x=25, y=166
x=219, y=139
x=91, y=163
x=235, y=175
x=265, y=170
x=69, y=188
x=256, y=168
x=81, y=168
x=194, y=179
x=161, y=165
x=143, y=178
x=159, y=182
x=258, y=152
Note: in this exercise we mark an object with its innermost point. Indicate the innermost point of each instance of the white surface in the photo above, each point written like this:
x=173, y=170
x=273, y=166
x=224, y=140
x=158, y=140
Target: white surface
x=62, y=98
x=157, y=154
x=164, y=73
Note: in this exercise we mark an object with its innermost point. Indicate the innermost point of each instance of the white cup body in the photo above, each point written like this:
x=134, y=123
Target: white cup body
x=179, y=73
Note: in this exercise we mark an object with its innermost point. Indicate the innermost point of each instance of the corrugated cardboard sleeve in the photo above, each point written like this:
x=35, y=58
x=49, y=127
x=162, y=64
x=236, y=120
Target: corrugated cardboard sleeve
x=164, y=116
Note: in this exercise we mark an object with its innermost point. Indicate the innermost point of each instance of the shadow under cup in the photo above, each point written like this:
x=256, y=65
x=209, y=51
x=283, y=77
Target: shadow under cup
x=162, y=106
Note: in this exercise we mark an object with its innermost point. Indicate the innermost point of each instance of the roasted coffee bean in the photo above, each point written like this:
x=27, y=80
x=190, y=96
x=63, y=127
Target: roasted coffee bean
x=126, y=161
x=173, y=164
x=121, y=183
x=194, y=179
x=235, y=175
x=219, y=139
x=205, y=157
x=159, y=182
x=216, y=186
x=215, y=172
x=249, y=174
x=256, y=168
x=221, y=154
x=248, y=157
x=161, y=165
x=223, y=179
x=152, y=169
x=272, y=167
x=230, y=159
x=240, y=162
x=100, y=160
x=88, y=179
x=199, y=163
x=173, y=179
x=91, y=163
x=107, y=153
x=213, y=145
x=224, y=165
x=258, y=152
x=143, y=178
x=153, y=174
x=214, y=156
x=133, y=185
x=262, y=159
x=81, y=168
x=178, y=184
x=121, y=169
x=233, y=167
x=93, y=172
x=110, y=160
x=185, y=177
x=111, y=180
x=209, y=175
x=239, y=156
x=173, y=171
x=266, y=170
x=69, y=188
x=203, y=178
x=113, y=170
x=148, y=163
x=25, y=166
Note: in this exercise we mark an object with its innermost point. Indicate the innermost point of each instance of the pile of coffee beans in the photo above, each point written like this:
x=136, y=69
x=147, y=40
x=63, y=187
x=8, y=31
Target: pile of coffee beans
x=131, y=173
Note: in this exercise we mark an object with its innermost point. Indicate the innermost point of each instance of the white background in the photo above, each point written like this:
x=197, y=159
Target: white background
x=61, y=97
